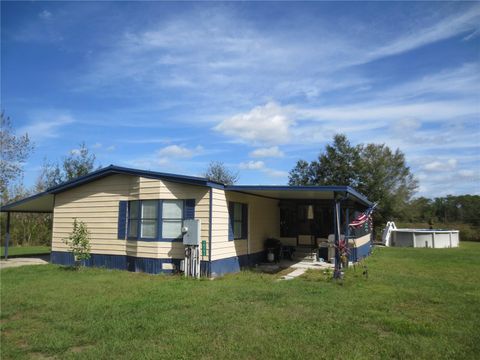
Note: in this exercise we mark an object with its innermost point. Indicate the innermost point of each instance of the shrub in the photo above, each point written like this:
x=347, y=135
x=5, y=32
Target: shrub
x=79, y=242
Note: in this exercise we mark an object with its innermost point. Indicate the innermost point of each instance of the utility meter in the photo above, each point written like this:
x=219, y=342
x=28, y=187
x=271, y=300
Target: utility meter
x=191, y=232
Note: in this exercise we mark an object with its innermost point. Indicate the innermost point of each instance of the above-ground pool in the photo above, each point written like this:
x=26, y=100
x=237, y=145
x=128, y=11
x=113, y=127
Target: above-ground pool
x=425, y=238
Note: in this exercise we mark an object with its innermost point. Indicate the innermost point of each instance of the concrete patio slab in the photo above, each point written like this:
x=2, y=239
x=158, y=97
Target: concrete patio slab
x=16, y=262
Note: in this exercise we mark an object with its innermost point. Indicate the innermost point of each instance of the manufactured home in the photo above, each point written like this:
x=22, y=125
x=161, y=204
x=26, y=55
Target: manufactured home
x=135, y=219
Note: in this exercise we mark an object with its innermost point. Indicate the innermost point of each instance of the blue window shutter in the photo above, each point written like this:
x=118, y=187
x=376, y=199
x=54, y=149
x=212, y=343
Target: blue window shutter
x=230, y=220
x=244, y=221
x=122, y=219
x=190, y=209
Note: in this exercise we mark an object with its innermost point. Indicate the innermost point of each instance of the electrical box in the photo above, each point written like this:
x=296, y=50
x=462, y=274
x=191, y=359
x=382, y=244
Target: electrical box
x=191, y=232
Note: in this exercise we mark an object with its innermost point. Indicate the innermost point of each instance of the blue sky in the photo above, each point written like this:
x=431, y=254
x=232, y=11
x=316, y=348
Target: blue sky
x=172, y=86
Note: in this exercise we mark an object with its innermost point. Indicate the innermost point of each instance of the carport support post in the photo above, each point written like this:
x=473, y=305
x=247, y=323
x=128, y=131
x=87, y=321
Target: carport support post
x=347, y=228
x=7, y=235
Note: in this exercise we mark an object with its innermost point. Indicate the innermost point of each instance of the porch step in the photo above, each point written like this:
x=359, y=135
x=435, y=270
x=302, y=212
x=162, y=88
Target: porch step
x=305, y=254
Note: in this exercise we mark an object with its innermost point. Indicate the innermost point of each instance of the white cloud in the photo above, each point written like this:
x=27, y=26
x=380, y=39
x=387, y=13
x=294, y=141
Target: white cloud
x=260, y=166
x=457, y=81
x=441, y=165
x=270, y=123
x=444, y=29
x=46, y=126
x=177, y=151
x=426, y=110
x=273, y=151
x=406, y=126
x=165, y=155
x=252, y=165
x=469, y=174
x=221, y=51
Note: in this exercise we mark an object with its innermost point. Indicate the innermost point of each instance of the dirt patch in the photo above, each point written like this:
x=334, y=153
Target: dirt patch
x=80, y=349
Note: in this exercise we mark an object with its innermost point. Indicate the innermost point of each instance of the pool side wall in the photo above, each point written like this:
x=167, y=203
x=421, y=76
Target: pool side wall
x=425, y=238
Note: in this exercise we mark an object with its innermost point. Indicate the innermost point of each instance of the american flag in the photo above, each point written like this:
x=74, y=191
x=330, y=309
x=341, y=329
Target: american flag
x=363, y=218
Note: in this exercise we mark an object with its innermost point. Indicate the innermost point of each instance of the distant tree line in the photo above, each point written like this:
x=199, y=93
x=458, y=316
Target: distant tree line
x=448, y=209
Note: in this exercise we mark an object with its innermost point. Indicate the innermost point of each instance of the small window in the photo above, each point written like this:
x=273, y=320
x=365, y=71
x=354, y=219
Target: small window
x=133, y=219
x=238, y=221
x=148, y=224
x=172, y=219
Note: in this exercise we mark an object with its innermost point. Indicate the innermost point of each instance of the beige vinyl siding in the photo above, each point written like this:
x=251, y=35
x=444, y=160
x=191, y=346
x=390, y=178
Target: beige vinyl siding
x=359, y=241
x=263, y=222
x=96, y=204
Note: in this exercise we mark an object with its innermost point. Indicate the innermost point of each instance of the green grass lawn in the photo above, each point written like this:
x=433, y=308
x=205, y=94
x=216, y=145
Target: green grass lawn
x=25, y=250
x=416, y=303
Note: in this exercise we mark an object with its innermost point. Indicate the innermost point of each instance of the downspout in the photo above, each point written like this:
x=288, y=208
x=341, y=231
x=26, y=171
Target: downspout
x=53, y=220
x=347, y=230
x=7, y=235
x=210, y=221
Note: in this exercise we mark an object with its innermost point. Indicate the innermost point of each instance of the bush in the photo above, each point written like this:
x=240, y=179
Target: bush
x=79, y=242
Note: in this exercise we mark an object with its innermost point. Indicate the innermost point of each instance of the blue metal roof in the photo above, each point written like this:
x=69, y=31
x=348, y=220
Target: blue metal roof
x=113, y=169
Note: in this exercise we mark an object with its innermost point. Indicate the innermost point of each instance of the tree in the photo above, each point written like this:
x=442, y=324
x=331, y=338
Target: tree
x=301, y=174
x=373, y=169
x=218, y=172
x=14, y=151
x=80, y=162
x=50, y=175
x=384, y=177
x=79, y=242
x=338, y=164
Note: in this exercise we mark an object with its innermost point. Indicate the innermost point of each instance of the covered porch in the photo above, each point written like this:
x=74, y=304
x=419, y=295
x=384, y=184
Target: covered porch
x=314, y=220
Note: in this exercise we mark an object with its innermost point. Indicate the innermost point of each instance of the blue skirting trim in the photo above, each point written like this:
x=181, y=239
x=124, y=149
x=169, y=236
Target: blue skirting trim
x=155, y=266
x=361, y=252
x=235, y=263
x=118, y=262
x=205, y=268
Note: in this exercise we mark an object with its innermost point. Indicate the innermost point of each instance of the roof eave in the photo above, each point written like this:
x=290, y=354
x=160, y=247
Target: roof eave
x=333, y=188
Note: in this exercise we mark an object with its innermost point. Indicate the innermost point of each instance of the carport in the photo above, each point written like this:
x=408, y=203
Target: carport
x=41, y=203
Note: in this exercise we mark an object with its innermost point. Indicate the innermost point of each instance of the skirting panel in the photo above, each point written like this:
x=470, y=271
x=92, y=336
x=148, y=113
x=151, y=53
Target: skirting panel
x=361, y=252
x=124, y=262
x=156, y=266
x=235, y=263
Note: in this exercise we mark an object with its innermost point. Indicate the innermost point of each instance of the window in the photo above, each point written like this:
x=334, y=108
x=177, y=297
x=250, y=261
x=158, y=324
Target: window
x=158, y=219
x=172, y=219
x=238, y=221
x=143, y=219
x=133, y=219
x=148, y=222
